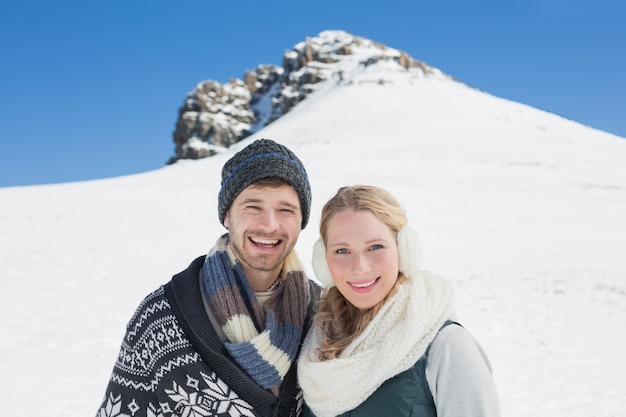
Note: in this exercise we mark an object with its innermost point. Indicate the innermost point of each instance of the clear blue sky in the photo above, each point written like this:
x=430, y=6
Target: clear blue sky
x=91, y=89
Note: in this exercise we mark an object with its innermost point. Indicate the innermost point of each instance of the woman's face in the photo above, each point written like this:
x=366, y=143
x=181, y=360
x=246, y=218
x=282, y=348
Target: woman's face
x=362, y=256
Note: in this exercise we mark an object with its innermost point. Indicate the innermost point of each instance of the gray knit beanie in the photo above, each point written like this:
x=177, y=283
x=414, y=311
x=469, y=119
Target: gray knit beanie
x=263, y=158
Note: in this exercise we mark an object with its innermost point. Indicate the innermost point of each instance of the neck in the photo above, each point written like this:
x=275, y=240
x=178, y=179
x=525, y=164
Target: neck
x=261, y=280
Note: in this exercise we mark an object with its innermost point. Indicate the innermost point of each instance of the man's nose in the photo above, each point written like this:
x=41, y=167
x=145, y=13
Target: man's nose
x=268, y=220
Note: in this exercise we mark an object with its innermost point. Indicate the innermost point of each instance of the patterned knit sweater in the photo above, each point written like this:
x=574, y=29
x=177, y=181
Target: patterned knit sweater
x=173, y=363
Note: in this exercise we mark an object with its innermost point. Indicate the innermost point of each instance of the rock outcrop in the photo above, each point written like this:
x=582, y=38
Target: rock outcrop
x=215, y=116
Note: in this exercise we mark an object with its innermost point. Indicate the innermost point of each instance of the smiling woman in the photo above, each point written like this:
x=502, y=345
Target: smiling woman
x=386, y=331
x=362, y=256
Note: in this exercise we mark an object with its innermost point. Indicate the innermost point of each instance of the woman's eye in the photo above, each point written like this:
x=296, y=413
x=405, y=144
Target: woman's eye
x=377, y=246
x=342, y=250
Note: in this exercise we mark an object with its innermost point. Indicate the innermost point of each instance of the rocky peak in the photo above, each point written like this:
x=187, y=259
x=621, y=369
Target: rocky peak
x=215, y=116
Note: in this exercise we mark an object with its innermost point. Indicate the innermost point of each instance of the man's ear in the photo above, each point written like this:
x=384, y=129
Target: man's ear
x=226, y=220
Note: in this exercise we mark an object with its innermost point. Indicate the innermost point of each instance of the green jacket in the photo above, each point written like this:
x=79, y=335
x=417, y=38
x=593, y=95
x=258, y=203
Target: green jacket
x=405, y=395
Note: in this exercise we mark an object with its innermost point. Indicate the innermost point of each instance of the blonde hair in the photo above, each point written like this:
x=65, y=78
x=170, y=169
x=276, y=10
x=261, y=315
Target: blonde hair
x=340, y=321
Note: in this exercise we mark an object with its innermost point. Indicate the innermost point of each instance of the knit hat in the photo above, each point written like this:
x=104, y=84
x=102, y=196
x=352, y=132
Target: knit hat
x=263, y=158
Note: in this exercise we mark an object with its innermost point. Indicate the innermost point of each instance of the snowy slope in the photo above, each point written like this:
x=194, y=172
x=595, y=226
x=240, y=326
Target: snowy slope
x=521, y=209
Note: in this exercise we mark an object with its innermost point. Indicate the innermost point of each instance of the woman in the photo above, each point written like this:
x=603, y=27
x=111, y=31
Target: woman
x=384, y=342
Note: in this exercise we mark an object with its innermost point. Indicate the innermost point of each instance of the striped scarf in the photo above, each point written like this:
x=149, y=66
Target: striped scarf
x=262, y=339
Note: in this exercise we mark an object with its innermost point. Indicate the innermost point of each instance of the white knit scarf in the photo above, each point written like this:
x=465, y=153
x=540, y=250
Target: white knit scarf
x=392, y=342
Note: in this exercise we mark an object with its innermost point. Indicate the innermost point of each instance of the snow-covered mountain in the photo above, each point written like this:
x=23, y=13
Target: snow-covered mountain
x=214, y=116
x=521, y=209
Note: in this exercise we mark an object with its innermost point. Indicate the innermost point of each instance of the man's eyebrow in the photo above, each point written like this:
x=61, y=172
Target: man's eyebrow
x=251, y=200
x=260, y=200
x=288, y=204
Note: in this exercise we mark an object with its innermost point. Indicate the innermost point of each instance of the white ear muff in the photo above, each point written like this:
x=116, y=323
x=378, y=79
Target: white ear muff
x=409, y=251
x=320, y=266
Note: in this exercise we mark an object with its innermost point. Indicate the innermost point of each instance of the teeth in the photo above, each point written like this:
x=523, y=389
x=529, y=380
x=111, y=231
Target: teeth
x=265, y=241
x=363, y=284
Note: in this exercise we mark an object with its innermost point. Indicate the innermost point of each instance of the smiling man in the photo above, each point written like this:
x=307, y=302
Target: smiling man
x=222, y=337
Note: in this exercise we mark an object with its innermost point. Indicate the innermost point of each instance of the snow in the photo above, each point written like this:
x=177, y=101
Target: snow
x=521, y=209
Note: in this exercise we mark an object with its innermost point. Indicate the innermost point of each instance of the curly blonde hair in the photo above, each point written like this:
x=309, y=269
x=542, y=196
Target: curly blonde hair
x=340, y=321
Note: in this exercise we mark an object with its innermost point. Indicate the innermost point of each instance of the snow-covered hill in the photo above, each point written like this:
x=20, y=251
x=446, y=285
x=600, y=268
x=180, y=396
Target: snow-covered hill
x=521, y=209
x=214, y=115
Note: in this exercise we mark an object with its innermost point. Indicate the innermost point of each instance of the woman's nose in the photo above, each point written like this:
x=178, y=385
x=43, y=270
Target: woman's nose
x=360, y=264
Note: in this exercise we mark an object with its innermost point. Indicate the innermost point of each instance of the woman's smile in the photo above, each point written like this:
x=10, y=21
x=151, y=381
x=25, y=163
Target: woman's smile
x=363, y=286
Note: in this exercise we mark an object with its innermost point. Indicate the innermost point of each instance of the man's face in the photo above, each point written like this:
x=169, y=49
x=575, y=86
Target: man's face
x=264, y=223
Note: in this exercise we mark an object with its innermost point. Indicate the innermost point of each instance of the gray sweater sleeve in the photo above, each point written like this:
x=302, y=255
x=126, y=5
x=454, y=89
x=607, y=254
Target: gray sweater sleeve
x=460, y=377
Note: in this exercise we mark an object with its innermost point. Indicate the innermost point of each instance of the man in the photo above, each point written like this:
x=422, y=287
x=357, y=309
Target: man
x=221, y=338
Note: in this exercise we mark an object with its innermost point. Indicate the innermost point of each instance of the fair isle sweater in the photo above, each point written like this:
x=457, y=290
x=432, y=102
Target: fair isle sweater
x=172, y=362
